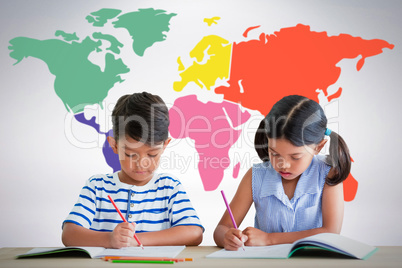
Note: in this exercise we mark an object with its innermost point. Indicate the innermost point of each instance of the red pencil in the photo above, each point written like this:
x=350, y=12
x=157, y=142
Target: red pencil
x=124, y=219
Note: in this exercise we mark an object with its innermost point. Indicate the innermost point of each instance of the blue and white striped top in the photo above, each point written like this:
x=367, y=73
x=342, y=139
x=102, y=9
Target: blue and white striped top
x=160, y=204
x=275, y=212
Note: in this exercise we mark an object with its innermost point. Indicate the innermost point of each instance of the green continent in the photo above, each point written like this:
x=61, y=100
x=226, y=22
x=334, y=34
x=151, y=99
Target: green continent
x=78, y=81
x=146, y=27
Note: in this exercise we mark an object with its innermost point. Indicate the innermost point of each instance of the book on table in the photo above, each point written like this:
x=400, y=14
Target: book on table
x=99, y=252
x=324, y=241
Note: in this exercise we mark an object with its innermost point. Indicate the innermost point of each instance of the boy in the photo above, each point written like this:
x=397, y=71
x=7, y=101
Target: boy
x=155, y=205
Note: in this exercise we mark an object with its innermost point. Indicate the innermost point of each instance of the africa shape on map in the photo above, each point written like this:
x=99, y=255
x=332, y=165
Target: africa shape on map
x=253, y=73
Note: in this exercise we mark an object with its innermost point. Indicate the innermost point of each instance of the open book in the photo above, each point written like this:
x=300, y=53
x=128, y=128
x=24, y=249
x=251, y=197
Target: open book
x=324, y=241
x=99, y=252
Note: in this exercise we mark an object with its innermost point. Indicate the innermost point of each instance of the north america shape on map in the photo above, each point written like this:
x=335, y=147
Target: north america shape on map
x=254, y=73
x=78, y=81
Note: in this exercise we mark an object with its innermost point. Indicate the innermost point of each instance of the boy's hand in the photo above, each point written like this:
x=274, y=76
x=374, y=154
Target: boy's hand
x=123, y=235
x=234, y=239
x=256, y=237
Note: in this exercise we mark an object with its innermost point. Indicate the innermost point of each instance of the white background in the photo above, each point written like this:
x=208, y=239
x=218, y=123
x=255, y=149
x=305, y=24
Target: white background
x=44, y=166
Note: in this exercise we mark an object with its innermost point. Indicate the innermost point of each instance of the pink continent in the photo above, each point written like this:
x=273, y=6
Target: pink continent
x=208, y=125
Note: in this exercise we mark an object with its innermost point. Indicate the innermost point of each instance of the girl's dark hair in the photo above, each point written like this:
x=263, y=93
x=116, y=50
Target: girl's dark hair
x=302, y=122
x=142, y=116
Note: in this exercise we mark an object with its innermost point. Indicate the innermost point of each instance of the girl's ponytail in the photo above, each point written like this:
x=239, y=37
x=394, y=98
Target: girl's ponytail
x=339, y=158
x=261, y=142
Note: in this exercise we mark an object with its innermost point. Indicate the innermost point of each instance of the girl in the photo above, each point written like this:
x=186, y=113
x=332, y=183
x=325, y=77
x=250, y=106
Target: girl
x=296, y=193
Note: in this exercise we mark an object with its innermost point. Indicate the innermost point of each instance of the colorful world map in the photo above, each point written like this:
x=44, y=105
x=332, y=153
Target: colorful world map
x=250, y=74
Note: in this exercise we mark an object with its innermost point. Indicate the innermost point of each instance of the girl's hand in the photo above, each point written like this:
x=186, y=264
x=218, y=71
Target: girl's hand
x=234, y=239
x=256, y=237
x=123, y=235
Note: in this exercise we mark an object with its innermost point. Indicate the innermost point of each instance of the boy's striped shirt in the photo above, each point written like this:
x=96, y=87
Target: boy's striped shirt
x=160, y=204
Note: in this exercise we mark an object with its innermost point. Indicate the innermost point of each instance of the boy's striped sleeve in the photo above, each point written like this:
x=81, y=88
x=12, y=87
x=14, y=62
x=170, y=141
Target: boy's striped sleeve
x=181, y=211
x=84, y=210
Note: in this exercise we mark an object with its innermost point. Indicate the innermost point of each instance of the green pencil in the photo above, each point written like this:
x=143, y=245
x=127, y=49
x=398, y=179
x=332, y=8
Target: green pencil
x=141, y=261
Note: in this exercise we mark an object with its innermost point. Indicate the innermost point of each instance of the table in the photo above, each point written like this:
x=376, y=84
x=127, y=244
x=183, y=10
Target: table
x=384, y=257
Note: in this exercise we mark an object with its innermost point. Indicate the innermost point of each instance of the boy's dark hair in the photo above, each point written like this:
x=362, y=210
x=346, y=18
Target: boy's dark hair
x=302, y=122
x=143, y=117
